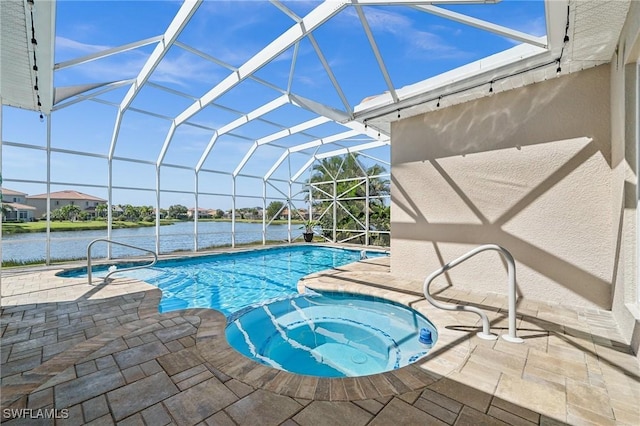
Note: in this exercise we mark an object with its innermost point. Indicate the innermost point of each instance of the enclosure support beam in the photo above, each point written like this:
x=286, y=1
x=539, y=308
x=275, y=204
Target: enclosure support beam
x=157, y=209
x=310, y=200
x=294, y=34
x=257, y=113
x=289, y=215
x=1, y=215
x=195, y=216
x=233, y=211
x=366, y=211
x=483, y=25
x=335, y=209
x=176, y=26
x=109, y=203
x=47, y=260
x=264, y=212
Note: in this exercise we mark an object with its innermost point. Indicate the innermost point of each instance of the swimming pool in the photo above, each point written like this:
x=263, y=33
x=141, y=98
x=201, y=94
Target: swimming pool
x=230, y=282
x=332, y=335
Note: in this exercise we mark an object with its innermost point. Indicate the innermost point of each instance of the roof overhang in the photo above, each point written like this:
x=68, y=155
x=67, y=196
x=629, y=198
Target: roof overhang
x=27, y=66
x=579, y=34
x=573, y=43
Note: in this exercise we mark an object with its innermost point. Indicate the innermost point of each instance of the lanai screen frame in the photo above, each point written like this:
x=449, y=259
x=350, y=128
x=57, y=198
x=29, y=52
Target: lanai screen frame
x=354, y=119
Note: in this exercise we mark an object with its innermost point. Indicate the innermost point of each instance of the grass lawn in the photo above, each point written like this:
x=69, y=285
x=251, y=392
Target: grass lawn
x=274, y=222
x=41, y=226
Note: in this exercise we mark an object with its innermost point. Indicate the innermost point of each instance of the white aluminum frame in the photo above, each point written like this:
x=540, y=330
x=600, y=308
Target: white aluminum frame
x=353, y=119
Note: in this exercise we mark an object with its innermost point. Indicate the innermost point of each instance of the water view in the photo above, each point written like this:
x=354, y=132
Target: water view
x=179, y=236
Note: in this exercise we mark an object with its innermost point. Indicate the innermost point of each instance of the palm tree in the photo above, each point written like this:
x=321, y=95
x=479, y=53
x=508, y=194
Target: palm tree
x=146, y=212
x=5, y=211
x=70, y=211
x=177, y=211
x=351, y=209
x=273, y=210
x=131, y=213
x=57, y=214
x=101, y=210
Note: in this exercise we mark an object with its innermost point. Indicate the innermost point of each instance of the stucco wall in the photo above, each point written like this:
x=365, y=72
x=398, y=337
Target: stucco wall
x=529, y=169
x=624, y=112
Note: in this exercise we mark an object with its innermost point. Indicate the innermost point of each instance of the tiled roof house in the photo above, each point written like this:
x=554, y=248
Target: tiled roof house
x=15, y=206
x=60, y=199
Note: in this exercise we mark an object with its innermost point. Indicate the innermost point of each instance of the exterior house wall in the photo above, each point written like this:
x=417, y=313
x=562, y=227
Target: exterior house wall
x=56, y=203
x=625, y=75
x=13, y=198
x=18, y=210
x=528, y=169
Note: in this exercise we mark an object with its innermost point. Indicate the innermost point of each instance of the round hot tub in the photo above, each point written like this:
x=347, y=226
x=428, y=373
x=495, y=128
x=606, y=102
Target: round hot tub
x=332, y=335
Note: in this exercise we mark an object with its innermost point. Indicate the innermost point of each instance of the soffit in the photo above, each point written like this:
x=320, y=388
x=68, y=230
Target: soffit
x=593, y=31
x=21, y=22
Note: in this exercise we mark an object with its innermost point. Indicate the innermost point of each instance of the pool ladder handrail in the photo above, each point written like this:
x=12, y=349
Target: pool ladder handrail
x=130, y=268
x=486, y=328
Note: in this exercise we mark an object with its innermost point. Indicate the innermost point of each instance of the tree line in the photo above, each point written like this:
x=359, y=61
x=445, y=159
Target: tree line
x=350, y=212
x=351, y=209
x=120, y=212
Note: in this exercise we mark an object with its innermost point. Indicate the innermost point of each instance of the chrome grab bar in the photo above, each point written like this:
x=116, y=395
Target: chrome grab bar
x=486, y=331
x=131, y=268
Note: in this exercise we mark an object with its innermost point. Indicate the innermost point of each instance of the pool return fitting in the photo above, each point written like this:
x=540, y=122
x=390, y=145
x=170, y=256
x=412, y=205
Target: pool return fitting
x=486, y=328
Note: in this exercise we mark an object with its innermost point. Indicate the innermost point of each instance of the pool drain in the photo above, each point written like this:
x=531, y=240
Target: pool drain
x=359, y=358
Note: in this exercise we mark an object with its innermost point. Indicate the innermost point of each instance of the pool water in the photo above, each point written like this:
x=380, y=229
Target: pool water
x=331, y=335
x=232, y=281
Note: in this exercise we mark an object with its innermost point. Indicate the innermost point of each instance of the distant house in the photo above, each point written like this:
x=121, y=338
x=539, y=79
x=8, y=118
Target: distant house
x=15, y=207
x=300, y=214
x=202, y=213
x=60, y=199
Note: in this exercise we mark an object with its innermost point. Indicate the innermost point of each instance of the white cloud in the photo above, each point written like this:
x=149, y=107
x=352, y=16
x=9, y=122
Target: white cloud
x=384, y=21
x=179, y=69
x=412, y=40
x=69, y=45
x=433, y=44
x=185, y=68
x=536, y=27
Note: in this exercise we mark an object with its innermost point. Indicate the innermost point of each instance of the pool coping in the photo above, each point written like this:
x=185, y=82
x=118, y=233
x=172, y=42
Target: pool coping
x=213, y=346
x=572, y=367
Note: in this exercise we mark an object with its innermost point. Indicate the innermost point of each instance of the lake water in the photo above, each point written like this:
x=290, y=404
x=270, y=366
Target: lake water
x=179, y=236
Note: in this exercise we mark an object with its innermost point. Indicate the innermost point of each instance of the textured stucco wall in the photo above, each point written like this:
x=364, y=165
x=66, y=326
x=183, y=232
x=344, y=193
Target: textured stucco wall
x=624, y=141
x=529, y=169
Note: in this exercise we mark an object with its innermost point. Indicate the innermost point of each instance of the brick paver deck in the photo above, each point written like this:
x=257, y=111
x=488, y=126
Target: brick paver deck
x=104, y=355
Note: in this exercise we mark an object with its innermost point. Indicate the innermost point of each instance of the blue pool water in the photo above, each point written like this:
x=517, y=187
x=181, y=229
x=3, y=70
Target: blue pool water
x=232, y=281
x=331, y=335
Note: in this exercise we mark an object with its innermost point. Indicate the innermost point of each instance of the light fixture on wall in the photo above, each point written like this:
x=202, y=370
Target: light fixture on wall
x=565, y=41
x=34, y=43
x=553, y=62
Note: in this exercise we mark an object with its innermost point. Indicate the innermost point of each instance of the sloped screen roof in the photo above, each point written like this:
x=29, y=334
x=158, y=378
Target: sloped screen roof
x=255, y=88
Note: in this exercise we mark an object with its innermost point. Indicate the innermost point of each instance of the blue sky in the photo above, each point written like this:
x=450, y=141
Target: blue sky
x=415, y=46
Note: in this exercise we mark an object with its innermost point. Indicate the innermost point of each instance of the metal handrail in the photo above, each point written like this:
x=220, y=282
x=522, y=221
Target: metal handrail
x=486, y=331
x=130, y=268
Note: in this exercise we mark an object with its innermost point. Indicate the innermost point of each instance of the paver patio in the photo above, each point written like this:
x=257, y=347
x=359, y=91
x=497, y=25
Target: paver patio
x=104, y=355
